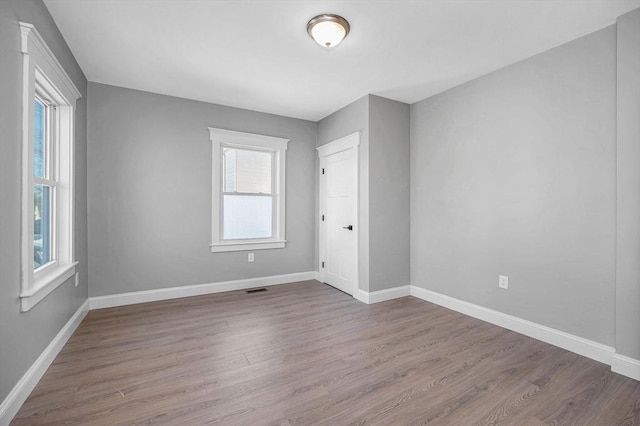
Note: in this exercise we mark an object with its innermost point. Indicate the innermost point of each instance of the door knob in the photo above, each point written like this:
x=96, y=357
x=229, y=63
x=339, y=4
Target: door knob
x=350, y=227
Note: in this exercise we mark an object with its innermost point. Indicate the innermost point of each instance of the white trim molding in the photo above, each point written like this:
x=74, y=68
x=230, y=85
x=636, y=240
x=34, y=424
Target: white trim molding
x=570, y=342
x=619, y=363
x=30, y=379
x=244, y=246
x=247, y=140
x=626, y=366
x=53, y=279
x=351, y=141
x=347, y=142
x=383, y=295
x=43, y=76
x=31, y=39
x=123, y=299
x=221, y=138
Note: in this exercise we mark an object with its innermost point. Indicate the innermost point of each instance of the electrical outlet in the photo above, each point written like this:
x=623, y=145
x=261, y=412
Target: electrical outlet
x=503, y=281
x=250, y=257
x=77, y=279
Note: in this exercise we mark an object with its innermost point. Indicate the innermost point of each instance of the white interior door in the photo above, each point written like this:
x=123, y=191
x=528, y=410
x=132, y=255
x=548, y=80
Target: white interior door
x=339, y=231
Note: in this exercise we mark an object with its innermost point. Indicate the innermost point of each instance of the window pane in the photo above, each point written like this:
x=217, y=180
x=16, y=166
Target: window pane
x=41, y=225
x=247, y=171
x=40, y=140
x=247, y=216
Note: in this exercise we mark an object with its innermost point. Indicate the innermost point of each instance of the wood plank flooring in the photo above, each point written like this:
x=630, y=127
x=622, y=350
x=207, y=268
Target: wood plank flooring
x=307, y=354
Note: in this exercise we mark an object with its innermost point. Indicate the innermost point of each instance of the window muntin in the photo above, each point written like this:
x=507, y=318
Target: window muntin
x=248, y=209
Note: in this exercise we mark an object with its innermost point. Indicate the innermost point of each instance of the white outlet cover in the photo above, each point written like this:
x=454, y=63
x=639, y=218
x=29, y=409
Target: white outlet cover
x=503, y=281
x=250, y=257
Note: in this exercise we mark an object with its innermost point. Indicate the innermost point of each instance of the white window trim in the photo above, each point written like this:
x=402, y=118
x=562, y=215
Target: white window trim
x=40, y=67
x=223, y=137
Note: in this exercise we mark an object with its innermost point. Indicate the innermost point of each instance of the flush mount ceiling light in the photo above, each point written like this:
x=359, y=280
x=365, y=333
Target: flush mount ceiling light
x=328, y=30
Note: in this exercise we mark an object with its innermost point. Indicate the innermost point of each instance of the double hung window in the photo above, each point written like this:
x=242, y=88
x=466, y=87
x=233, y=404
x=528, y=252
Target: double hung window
x=248, y=191
x=49, y=99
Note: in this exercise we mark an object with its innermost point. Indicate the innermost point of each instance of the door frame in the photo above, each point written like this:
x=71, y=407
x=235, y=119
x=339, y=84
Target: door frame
x=351, y=141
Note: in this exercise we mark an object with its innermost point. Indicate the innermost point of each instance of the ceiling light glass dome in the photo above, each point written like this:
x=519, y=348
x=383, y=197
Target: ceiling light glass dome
x=328, y=30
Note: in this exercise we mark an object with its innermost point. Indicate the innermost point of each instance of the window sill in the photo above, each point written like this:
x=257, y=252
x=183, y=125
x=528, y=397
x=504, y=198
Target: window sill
x=249, y=245
x=45, y=284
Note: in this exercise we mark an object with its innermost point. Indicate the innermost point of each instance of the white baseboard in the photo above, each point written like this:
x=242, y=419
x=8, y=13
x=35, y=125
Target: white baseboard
x=30, y=379
x=382, y=295
x=626, y=366
x=122, y=299
x=579, y=345
x=362, y=296
x=619, y=363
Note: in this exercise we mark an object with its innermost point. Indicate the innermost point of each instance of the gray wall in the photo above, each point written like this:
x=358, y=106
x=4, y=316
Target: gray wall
x=347, y=120
x=389, y=193
x=149, y=186
x=384, y=186
x=23, y=336
x=514, y=173
x=628, y=211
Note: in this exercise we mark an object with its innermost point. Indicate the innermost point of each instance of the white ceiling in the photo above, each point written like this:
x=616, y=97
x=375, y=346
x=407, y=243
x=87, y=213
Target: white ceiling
x=257, y=54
